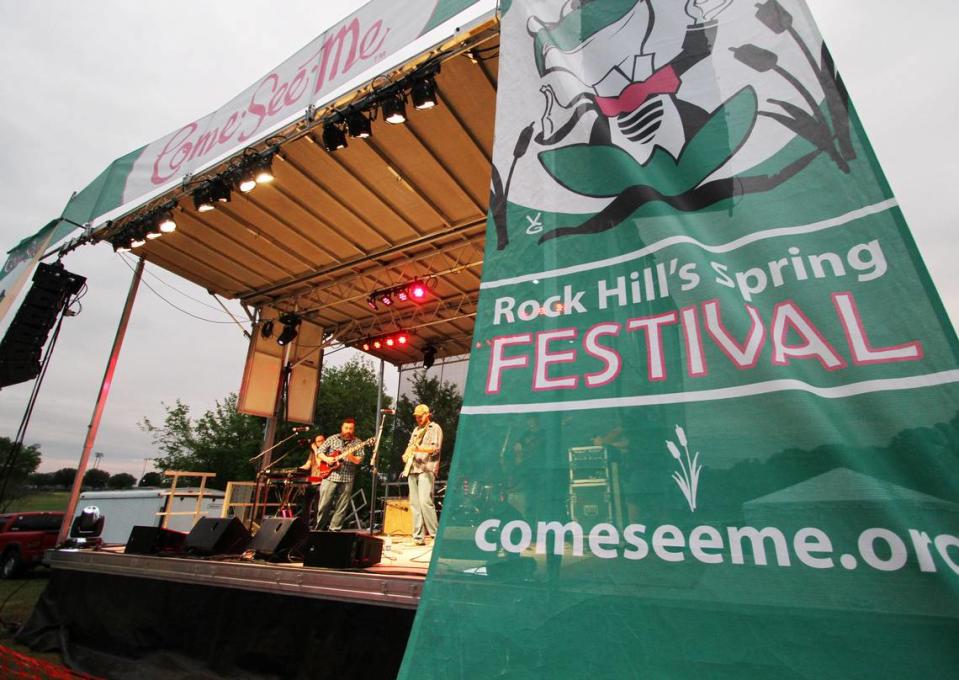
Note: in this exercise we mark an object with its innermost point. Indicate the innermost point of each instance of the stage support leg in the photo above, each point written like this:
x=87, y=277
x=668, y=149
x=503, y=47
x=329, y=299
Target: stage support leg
x=375, y=473
x=100, y=405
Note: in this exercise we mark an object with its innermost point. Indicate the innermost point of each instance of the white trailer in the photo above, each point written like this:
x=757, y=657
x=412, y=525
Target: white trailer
x=123, y=510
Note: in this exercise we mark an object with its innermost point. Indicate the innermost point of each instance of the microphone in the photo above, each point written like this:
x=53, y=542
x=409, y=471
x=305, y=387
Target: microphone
x=301, y=428
x=390, y=411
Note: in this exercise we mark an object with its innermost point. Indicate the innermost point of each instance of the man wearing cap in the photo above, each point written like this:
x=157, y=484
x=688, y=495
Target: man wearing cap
x=422, y=459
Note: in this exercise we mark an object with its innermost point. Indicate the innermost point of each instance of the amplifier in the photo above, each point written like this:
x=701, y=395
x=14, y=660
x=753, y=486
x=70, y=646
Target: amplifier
x=590, y=504
x=588, y=463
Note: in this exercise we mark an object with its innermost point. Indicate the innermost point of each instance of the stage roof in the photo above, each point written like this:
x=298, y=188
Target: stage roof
x=408, y=203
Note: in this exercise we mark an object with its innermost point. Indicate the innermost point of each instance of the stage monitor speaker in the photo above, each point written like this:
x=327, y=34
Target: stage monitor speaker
x=342, y=550
x=145, y=540
x=217, y=536
x=278, y=536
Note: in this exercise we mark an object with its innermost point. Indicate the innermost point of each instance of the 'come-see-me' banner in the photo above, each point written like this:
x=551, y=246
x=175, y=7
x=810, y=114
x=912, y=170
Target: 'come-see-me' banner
x=711, y=426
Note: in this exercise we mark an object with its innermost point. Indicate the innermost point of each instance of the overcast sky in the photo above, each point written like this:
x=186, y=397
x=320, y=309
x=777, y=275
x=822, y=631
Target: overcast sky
x=83, y=83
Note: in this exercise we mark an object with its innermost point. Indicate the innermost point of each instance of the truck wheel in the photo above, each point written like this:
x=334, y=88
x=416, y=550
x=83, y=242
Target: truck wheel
x=10, y=565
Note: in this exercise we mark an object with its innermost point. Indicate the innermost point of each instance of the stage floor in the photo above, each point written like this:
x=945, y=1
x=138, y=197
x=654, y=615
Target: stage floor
x=395, y=582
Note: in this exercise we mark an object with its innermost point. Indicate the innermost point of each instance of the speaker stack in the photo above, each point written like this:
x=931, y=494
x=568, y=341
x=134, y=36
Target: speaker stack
x=20, y=350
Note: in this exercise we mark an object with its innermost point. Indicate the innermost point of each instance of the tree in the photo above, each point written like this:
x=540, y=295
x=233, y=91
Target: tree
x=151, y=479
x=445, y=403
x=64, y=477
x=41, y=479
x=16, y=465
x=95, y=478
x=122, y=480
x=348, y=391
x=222, y=440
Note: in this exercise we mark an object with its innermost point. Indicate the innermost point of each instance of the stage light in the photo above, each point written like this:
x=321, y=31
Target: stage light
x=267, y=329
x=137, y=236
x=291, y=325
x=417, y=290
x=359, y=125
x=424, y=94
x=121, y=248
x=153, y=234
x=219, y=190
x=246, y=180
x=366, y=346
x=429, y=357
x=402, y=339
x=203, y=199
x=394, y=110
x=263, y=169
x=390, y=342
x=166, y=223
x=386, y=299
x=377, y=344
x=371, y=302
x=333, y=137
x=402, y=295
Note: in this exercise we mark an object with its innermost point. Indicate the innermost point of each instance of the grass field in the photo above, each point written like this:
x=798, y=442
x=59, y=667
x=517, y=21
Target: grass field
x=41, y=500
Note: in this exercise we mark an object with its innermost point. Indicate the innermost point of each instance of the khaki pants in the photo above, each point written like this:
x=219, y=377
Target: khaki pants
x=421, y=503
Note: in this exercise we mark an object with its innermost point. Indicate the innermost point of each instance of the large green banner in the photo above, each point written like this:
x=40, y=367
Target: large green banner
x=711, y=426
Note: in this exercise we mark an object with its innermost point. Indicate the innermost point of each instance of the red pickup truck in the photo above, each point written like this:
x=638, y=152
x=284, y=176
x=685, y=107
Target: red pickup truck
x=24, y=536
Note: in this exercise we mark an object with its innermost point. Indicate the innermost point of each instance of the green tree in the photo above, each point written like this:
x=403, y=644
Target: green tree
x=95, y=478
x=348, y=391
x=445, y=402
x=64, y=477
x=151, y=479
x=222, y=440
x=122, y=480
x=41, y=479
x=17, y=463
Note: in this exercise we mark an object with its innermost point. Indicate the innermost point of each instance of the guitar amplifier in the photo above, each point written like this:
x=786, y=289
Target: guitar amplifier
x=588, y=463
x=398, y=520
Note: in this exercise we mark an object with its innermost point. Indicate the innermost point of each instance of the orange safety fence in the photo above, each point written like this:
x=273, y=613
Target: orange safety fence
x=14, y=665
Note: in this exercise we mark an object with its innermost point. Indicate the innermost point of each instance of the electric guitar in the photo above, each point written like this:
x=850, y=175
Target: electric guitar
x=409, y=457
x=326, y=469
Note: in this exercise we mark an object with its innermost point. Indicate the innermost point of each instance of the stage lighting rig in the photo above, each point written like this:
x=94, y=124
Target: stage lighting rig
x=429, y=356
x=359, y=125
x=395, y=340
x=423, y=93
x=394, y=109
x=334, y=138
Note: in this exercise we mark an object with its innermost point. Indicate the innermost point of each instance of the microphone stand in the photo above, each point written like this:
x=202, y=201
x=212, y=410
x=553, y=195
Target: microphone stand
x=376, y=450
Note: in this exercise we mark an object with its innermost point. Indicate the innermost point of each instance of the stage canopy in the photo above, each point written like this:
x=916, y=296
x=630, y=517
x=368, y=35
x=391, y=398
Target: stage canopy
x=334, y=227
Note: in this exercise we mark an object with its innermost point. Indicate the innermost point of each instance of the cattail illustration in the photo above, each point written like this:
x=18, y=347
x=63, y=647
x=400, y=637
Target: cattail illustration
x=687, y=478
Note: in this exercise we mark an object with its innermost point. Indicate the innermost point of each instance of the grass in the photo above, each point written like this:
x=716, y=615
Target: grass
x=17, y=599
x=41, y=500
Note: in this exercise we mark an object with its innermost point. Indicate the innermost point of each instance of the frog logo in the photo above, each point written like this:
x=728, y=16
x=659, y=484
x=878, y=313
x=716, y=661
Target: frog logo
x=631, y=86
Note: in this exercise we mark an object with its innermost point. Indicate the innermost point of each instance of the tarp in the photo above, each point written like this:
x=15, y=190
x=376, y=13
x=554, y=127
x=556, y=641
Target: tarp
x=23, y=258
x=711, y=423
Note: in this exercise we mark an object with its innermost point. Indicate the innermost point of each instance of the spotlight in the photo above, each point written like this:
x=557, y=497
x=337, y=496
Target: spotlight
x=121, y=247
x=417, y=290
x=333, y=137
x=219, y=190
x=291, y=325
x=166, y=223
x=429, y=357
x=394, y=110
x=153, y=234
x=359, y=125
x=137, y=241
x=267, y=329
x=371, y=302
x=424, y=94
x=203, y=199
x=402, y=295
x=386, y=299
x=390, y=342
x=263, y=169
x=402, y=339
x=377, y=344
x=366, y=346
x=246, y=180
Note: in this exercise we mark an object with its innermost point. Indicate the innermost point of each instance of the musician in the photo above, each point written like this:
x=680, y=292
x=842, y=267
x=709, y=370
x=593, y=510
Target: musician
x=337, y=489
x=422, y=458
x=312, y=492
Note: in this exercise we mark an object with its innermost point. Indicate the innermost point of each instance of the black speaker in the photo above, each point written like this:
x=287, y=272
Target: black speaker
x=342, y=550
x=217, y=536
x=155, y=541
x=20, y=350
x=278, y=536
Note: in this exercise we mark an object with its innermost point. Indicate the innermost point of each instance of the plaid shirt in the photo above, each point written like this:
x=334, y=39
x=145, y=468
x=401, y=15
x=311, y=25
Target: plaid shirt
x=432, y=439
x=347, y=470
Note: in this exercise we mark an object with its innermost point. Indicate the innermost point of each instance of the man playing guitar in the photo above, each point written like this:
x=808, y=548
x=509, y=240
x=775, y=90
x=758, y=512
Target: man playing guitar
x=422, y=459
x=337, y=488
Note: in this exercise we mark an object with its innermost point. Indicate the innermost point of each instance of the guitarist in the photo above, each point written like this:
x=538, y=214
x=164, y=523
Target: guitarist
x=422, y=459
x=337, y=489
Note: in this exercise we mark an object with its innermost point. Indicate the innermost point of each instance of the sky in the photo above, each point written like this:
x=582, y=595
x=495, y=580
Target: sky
x=84, y=83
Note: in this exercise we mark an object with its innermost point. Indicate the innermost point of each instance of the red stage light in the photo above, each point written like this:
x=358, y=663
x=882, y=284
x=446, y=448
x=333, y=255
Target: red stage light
x=402, y=338
x=390, y=342
x=377, y=344
x=366, y=347
x=417, y=291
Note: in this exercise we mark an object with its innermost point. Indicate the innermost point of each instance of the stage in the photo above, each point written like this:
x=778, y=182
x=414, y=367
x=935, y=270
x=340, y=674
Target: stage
x=144, y=616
